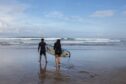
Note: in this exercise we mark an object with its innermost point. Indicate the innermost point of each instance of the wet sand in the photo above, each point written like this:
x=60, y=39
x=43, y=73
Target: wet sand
x=88, y=65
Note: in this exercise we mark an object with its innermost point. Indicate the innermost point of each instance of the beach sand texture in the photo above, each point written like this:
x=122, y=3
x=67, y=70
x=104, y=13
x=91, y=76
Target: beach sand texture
x=87, y=65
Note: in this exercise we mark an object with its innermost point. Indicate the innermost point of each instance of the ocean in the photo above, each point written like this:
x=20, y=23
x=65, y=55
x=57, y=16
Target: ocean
x=64, y=41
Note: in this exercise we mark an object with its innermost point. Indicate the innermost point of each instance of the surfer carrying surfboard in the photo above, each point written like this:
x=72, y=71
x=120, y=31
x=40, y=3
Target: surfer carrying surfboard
x=42, y=49
x=58, y=51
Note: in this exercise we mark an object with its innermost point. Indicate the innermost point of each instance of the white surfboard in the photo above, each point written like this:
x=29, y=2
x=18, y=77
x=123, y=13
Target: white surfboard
x=51, y=51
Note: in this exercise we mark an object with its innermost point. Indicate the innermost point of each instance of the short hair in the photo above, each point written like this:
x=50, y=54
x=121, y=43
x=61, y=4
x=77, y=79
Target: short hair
x=42, y=39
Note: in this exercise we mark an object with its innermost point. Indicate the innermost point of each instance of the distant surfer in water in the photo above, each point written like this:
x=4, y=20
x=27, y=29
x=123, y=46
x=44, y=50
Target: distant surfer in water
x=42, y=49
x=58, y=51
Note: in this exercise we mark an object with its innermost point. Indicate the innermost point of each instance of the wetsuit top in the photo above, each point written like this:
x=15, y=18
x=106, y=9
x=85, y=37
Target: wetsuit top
x=42, y=46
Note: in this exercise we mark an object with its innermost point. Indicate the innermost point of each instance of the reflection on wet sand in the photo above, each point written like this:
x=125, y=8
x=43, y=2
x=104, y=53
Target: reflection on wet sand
x=42, y=72
x=53, y=76
x=58, y=75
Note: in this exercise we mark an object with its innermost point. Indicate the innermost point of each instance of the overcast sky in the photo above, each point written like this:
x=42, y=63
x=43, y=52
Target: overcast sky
x=63, y=18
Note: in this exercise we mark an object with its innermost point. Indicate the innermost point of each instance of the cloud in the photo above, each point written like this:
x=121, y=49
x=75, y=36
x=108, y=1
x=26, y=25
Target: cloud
x=57, y=15
x=15, y=17
x=9, y=16
x=11, y=9
x=103, y=13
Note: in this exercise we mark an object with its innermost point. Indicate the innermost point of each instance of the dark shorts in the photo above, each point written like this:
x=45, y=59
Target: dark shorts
x=58, y=53
x=43, y=53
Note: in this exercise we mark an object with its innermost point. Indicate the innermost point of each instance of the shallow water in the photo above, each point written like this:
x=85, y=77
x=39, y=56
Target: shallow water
x=86, y=64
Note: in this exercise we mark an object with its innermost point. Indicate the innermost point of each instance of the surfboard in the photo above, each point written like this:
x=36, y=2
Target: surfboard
x=50, y=50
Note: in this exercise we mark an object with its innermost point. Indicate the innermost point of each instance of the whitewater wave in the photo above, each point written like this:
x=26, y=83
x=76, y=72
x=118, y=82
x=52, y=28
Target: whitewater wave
x=64, y=41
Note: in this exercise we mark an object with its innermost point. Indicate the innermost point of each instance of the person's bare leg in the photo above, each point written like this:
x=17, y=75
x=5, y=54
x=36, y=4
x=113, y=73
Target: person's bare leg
x=58, y=59
x=45, y=59
x=58, y=68
x=40, y=58
x=55, y=59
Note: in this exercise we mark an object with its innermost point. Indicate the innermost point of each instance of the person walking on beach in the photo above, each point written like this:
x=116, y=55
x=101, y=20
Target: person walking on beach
x=58, y=51
x=42, y=49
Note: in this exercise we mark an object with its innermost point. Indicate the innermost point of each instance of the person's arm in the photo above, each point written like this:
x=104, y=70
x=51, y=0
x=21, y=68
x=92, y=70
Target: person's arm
x=54, y=46
x=45, y=45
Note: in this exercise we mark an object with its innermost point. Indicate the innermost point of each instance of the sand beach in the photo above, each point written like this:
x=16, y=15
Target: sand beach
x=87, y=65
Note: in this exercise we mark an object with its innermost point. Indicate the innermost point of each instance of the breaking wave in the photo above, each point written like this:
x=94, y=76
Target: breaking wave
x=64, y=41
